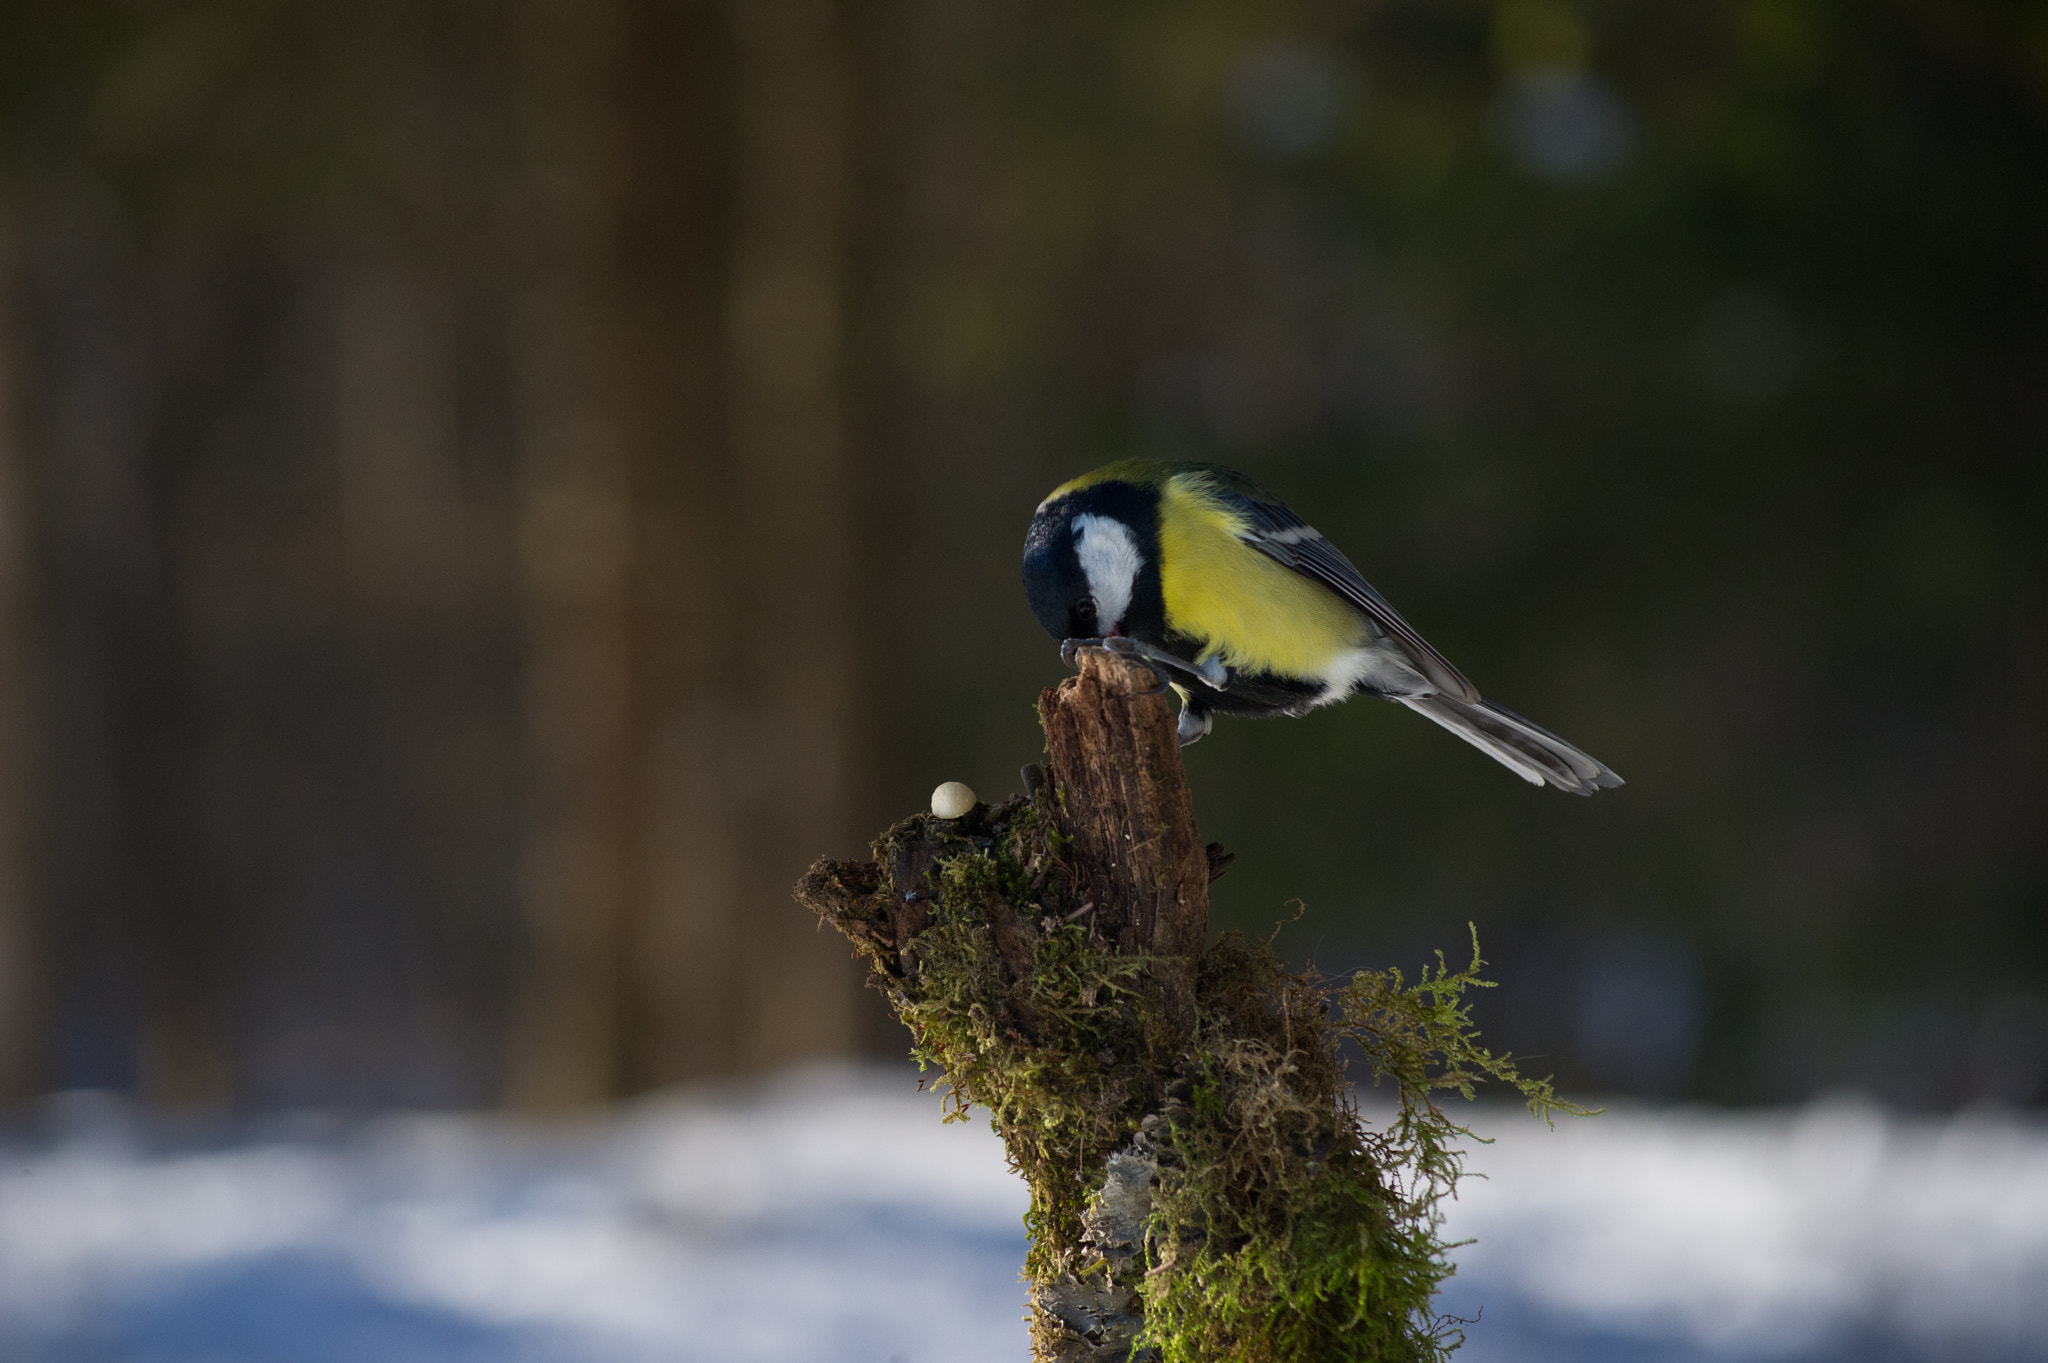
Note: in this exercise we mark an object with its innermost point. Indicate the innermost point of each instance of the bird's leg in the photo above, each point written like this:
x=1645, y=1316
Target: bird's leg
x=1195, y=719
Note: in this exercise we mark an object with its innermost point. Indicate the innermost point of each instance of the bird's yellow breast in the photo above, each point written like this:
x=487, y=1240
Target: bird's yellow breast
x=1251, y=612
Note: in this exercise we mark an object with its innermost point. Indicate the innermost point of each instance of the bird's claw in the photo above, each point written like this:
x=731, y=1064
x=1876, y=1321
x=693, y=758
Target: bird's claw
x=1210, y=671
x=1195, y=720
x=1126, y=647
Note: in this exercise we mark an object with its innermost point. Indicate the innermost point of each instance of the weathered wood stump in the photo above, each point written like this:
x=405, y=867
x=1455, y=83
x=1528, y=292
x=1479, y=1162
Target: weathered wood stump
x=1114, y=852
x=1123, y=801
x=1201, y=1186
x=1116, y=768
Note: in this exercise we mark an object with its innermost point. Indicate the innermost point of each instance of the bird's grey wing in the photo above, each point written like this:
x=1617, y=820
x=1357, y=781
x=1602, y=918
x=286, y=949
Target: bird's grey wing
x=1279, y=534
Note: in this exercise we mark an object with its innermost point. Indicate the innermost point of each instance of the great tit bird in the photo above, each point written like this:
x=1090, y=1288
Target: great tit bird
x=1244, y=608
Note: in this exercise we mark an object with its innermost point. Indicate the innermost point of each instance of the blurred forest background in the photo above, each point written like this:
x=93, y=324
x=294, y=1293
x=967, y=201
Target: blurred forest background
x=488, y=491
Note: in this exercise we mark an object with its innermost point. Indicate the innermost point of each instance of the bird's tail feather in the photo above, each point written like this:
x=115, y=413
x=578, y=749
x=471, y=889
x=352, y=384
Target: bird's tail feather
x=1530, y=751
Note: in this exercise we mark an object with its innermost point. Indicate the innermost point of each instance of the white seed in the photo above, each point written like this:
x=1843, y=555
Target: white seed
x=952, y=800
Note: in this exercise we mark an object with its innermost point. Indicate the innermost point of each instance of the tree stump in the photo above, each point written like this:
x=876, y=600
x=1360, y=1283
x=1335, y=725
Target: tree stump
x=1116, y=766
x=1116, y=862
x=1202, y=1189
x=1123, y=800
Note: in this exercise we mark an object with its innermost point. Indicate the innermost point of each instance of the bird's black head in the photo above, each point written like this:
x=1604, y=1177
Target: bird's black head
x=1091, y=563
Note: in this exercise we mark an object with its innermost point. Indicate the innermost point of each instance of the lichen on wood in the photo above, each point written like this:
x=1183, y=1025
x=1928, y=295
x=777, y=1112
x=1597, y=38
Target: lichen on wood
x=1203, y=1187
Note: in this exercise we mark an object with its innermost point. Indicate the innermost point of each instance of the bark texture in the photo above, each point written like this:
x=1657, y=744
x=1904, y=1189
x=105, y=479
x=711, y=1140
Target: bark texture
x=1125, y=803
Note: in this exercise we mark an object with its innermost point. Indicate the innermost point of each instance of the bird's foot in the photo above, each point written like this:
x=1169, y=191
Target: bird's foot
x=1195, y=720
x=1159, y=661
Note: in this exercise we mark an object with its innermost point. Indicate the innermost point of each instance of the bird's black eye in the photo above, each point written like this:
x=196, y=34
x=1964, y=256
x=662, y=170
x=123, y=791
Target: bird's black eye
x=1084, y=619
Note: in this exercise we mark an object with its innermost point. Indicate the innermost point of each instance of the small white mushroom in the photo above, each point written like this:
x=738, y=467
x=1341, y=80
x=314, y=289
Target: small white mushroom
x=952, y=800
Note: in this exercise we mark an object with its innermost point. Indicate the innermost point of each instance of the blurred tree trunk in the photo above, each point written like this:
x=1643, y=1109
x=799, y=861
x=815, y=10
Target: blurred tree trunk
x=731, y=270
x=442, y=574
x=684, y=982
x=146, y=579
x=22, y=966
x=685, y=559
x=575, y=479
x=794, y=660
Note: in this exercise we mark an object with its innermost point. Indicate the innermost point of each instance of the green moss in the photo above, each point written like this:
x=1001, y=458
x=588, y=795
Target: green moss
x=1280, y=1225
x=1053, y=1051
x=1283, y=1227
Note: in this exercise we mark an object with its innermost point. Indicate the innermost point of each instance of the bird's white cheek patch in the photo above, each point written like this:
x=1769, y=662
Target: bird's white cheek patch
x=1109, y=557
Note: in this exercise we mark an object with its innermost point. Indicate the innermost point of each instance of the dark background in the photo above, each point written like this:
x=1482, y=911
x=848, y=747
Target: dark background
x=489, y=490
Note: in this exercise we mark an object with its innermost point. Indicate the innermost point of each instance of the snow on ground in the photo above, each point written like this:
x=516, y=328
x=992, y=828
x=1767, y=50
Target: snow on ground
x=829, y=1217
x=1833, y=1232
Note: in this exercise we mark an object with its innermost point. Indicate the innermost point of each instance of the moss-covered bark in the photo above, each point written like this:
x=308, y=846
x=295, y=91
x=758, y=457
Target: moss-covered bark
x=1202, y=1186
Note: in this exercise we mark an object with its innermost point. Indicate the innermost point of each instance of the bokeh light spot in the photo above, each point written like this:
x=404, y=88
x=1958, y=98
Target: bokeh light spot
x=1566, y=125
x=1287, y=99
x=1746, y=348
